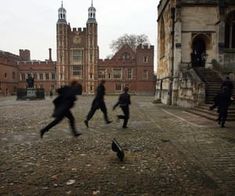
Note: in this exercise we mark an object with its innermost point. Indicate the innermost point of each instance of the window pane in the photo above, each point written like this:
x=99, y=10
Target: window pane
x=118, y=87
x=145, y=74
x=117, y=73
x=77, y=70
x=233, y=35
x=52, y=76
x=47, y=76
x=129, y=73
x=76, y=56
x=101, y=73
x=227, y=30
x=35, y=76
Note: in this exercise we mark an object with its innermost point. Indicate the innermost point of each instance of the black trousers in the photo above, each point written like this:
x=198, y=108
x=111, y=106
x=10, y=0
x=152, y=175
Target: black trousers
x=98, y=104
x=68, y=114
x=223, y=113
x=125, y=110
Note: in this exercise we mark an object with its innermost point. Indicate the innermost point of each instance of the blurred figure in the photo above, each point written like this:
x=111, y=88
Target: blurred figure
x=51, y=93
x=124, y=101
x=98, y=103
x=229, y=84
x=63, y=103
x=222, y=101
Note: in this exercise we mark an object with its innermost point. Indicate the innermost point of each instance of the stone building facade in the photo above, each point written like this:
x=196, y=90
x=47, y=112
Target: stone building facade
x=193, y=35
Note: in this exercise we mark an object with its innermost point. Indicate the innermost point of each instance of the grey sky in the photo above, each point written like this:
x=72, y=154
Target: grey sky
x=31, y=24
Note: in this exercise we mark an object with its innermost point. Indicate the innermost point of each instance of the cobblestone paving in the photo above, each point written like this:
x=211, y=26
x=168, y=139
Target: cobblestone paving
x=167, y=152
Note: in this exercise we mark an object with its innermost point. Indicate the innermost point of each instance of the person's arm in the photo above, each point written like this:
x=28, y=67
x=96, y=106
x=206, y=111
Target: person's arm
x=118, y=102
x=129, y=99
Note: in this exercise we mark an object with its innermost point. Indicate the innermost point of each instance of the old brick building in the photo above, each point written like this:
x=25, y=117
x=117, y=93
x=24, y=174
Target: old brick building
x=15, y=69
x=43, y=72
x=196, y=42
x=129, y=68
x=8, y=73
x=77, y=51
x=78, y=58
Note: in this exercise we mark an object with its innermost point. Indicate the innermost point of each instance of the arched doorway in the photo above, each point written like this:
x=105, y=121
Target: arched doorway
x=198, y=55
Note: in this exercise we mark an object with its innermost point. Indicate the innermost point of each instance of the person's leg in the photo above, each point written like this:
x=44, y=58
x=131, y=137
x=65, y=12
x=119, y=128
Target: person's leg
x=90, y=114
x=126, y=116
x=224, y=117
x=50, y=125
x=103, y=108
x=70, y=116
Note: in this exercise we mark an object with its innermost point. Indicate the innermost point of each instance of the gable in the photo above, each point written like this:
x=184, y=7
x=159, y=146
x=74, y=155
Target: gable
x=125, y=53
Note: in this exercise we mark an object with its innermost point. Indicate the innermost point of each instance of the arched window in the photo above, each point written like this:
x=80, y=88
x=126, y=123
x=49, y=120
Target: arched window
x=230, y=30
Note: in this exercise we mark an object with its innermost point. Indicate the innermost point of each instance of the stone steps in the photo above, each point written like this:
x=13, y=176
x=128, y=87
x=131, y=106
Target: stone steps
x=212, y=80
x=204, y=111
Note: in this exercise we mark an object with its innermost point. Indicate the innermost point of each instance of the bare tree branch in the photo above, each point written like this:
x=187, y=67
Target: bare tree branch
x=132, y=40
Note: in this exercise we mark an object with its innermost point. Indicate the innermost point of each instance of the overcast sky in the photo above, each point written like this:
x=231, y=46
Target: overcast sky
x=31, y=24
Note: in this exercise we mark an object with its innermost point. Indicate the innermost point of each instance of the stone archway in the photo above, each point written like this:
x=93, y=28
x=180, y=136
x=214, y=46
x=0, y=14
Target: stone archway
x=198, y=55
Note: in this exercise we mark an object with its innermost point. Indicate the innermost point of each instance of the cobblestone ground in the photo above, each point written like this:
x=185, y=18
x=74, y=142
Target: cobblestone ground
x=167, y=152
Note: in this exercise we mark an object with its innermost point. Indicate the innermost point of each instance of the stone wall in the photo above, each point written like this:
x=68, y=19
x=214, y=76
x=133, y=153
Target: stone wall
x=191, y=91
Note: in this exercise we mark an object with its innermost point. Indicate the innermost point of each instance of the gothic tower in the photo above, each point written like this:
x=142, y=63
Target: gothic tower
x=92, y=50
x=62, y=73
x=77, y=51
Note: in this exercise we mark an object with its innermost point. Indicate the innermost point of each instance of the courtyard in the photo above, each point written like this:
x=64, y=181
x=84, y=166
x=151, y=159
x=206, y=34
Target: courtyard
x=168, y=151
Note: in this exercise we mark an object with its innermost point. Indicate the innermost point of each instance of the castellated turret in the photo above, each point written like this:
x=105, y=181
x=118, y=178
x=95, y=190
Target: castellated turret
x=77, y=51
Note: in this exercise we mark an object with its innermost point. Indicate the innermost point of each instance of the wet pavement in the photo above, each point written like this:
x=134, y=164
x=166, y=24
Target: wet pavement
x=167, y=151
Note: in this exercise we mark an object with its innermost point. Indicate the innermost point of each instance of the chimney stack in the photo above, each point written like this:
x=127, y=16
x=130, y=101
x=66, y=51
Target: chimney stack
x=24, y=54
x=50, y=54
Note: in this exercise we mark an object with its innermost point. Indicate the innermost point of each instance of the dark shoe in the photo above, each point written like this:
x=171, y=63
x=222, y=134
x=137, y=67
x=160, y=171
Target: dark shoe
x=124, y=127
x=77, y=134
x=86, y=123
x=108, y=122
x=222, y=125
x=42, y=131
x=212, y=107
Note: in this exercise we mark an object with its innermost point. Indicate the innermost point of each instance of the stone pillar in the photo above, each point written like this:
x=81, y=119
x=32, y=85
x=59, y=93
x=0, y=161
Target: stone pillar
x=177, y=53
x=221, y=33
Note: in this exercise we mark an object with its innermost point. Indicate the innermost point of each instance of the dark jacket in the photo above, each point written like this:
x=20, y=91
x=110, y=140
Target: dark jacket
x=65, y=99
x=222, y=100
x=100, y=92
x=123, y=100
x=229, y=84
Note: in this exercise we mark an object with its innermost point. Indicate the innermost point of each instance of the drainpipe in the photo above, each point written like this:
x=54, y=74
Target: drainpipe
x=172, y=57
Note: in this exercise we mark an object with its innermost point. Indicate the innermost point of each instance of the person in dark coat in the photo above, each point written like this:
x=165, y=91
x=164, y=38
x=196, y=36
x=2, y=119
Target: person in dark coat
x=222, y=101
x=63, y=103
x=124, y=101
x=229, y=84
x=98, y=103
